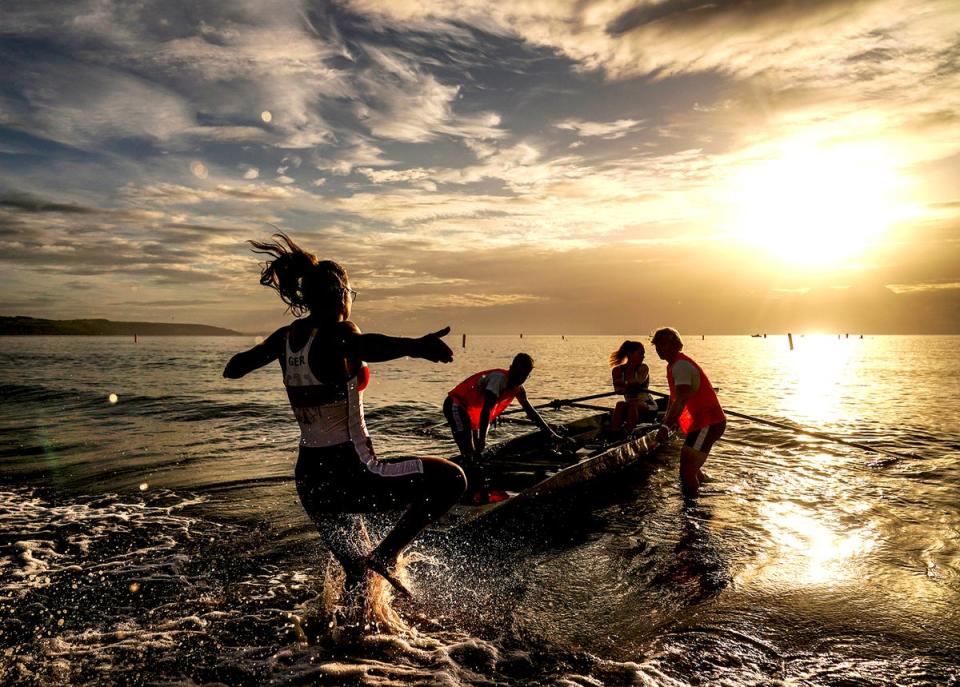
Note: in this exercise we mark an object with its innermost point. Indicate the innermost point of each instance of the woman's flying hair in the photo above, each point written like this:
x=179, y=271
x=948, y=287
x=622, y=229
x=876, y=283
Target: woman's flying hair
x=303, y=282
x=625, y=351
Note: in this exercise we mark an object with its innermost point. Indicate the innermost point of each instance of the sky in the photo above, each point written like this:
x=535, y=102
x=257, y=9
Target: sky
x=552, y=166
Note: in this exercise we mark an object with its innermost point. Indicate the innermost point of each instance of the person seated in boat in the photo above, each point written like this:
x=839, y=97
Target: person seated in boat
x=323, y=360
x=475, y=402
x=631, y=377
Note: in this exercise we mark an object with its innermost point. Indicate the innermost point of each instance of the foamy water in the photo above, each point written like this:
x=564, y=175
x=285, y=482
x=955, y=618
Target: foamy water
x=156, y=536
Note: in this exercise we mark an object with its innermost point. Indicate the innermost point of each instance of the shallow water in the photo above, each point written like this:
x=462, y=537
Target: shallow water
x=159, y=539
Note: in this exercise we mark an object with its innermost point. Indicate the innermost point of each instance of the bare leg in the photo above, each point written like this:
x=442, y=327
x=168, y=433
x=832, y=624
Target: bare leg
x=465, y=437
x=617, y=421
x=466, y=445
x=345, y=535
x=444, y=484
x=632, y=416
x=691, y=460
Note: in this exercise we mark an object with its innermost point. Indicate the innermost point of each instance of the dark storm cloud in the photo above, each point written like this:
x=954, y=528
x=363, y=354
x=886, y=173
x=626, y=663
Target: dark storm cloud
x=680, y=14
x=31, y=205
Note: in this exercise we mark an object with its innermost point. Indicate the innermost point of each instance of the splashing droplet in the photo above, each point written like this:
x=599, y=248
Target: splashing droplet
x=144, y=486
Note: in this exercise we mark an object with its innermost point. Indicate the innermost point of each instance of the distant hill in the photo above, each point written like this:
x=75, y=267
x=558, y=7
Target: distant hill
x=35, y=326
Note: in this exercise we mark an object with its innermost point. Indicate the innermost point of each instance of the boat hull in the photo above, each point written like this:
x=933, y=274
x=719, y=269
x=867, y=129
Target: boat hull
x=547, y=477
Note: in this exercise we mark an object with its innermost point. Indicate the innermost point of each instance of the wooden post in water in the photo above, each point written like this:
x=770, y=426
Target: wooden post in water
x=463, y=343
x=790, y=340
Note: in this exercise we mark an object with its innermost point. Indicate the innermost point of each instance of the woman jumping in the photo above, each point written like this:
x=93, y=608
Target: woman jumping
x=323, y=357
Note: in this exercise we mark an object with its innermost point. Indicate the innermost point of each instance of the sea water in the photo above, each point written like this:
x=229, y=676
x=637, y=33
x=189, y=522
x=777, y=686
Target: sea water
x=150, y=532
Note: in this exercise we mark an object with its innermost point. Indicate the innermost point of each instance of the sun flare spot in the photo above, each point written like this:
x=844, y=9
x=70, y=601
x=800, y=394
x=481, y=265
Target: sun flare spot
x=199, y=170
x=816, y=207
x=810, y=551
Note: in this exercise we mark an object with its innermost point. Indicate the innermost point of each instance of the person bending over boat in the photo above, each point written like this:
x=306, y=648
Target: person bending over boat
x=693, y=407
x=475, y=402
x=631, y=377
x=323, y=358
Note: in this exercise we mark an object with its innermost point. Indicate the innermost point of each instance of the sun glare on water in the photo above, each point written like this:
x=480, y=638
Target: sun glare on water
x=814, y=207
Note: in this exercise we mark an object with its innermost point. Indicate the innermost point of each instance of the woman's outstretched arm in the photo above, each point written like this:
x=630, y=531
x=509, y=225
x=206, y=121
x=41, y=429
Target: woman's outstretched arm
x=377, y=348
x=262, y=354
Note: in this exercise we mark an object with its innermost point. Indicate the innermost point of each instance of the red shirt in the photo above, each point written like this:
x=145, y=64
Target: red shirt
x=702, y=407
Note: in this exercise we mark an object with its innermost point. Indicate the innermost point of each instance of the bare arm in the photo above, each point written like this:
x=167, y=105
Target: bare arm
x=678, y=402
x=644, y=373
x=617, y=374
x=532, y=413
x=377, y=348
x=262, y=354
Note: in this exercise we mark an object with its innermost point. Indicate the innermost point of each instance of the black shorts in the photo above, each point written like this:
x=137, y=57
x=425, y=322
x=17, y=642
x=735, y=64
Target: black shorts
x=703, y=439
x=334, y=480
x=457, y=417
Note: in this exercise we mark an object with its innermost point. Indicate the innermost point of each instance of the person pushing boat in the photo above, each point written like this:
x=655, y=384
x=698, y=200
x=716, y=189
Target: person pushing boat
x=323, y=358
x=475, y=402
x=693, y=407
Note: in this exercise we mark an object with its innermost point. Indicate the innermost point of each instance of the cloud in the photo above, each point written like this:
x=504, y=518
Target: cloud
x=217, y=62
x=29, y=204
x=403, y=103
x=433, y=301
x=878, y=67
x=354, y=151
x=605, y=130
x=923, y=287
x=83, y=106
x=682, y=36
x=392, y=176
x=175, y=194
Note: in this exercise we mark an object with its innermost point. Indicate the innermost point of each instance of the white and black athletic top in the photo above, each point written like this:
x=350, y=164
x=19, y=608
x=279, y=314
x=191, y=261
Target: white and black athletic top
x=332, y=414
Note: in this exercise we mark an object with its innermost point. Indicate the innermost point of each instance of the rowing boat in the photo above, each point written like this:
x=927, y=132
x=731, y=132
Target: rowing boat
x=529, y=471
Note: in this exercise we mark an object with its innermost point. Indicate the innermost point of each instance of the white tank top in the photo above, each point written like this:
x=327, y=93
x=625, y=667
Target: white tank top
x=332, y=414
x=323, y=422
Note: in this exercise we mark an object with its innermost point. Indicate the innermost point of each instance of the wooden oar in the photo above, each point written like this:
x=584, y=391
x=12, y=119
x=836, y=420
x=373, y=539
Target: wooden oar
x=555, y=403
x=807, y=432
x=585, y=406
x=561, y=402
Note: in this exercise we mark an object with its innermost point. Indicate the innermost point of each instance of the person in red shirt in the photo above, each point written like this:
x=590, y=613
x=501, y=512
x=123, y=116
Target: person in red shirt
x=693, y=407
x=475, y=402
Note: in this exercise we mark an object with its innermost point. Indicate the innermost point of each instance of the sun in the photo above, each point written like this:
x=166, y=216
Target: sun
x=816, y=207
